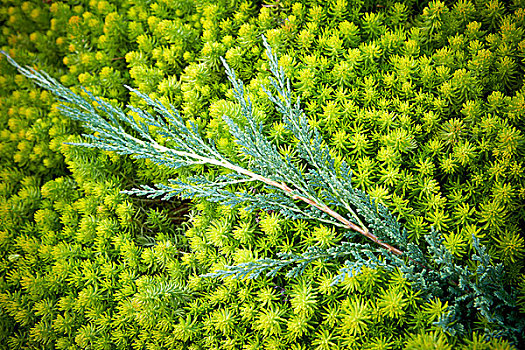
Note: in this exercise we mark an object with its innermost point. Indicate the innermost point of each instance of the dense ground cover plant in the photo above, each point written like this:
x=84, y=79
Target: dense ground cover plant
x=317, y=181
x=423, y=99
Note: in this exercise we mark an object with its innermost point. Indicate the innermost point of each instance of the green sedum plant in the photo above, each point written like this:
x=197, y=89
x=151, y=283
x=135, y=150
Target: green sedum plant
x=316, y=180
x=423, y=100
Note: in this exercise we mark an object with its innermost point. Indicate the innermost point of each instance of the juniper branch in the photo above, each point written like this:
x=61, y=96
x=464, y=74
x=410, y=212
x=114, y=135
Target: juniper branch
x=363, y=255
x=323, y=186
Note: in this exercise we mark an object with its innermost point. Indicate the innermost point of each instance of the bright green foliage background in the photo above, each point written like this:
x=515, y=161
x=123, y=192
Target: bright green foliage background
x=424, y=98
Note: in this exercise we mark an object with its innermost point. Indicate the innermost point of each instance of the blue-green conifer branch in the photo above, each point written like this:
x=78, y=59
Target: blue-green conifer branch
x=324, y=185
x=362, y=254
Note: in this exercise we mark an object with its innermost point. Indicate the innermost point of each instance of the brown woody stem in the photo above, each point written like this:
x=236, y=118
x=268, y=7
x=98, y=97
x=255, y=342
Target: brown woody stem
x=321, y=206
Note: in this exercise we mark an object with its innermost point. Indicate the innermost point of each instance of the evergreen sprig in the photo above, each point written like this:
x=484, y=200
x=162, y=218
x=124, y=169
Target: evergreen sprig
x=324, y=185
x=362, y=254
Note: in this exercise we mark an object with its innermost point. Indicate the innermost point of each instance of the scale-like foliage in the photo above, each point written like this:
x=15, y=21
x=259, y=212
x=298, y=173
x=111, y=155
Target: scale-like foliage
x=318, y=189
